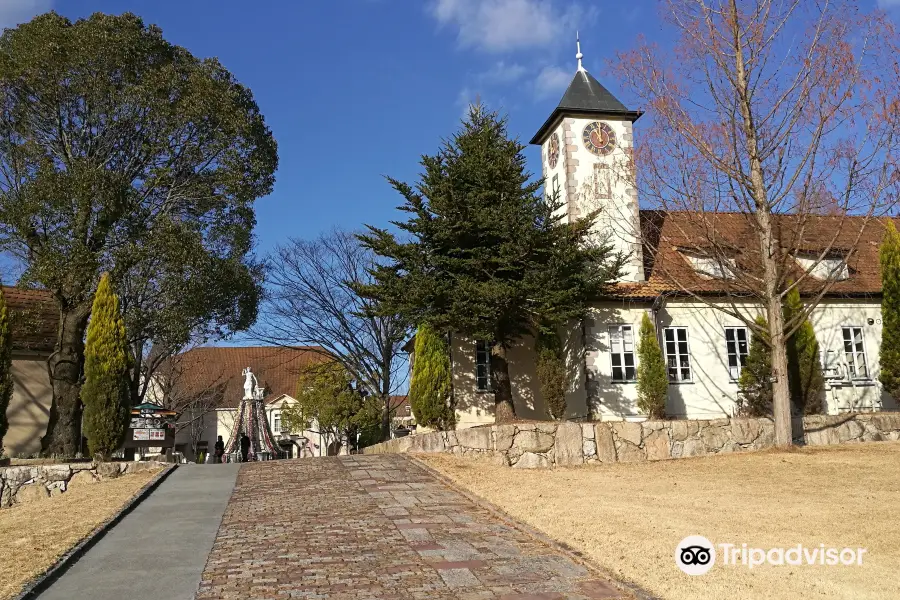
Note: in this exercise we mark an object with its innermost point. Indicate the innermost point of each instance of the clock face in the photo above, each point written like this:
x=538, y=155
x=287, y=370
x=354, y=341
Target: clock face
x=553, y=151
x=599, y=138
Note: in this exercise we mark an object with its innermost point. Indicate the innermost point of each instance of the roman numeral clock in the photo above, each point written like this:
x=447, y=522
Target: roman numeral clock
x=599, y=138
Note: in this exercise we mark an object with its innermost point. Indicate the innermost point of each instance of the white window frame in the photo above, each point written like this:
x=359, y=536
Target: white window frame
x=851, y=358
x=622, y=353
x=483, y=358
x=276, y=422
x=678, y=355
x=829, y=268
x=741, y=357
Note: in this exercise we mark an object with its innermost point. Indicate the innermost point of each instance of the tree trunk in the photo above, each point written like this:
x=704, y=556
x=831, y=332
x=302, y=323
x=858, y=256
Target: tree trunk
x=65, y=365
x=781, y=393
x=385, y=417
x=504, y=409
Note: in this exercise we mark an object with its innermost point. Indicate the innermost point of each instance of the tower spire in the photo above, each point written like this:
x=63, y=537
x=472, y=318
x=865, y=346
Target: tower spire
x=579, y=55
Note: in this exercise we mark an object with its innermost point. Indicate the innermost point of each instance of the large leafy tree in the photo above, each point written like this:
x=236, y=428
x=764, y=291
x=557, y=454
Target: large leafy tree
x=483, y=252
x=105, y=392
x=328, y=403
x=429, y=389
x=889, y=360
x=805, y=378
x=6, y=381
x=109, y=137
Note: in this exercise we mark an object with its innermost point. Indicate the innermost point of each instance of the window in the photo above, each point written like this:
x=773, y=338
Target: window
x=276, y=425
x=833, y=268
x=678, y=358
x=712, y=267
x=483, y=366
x=855, y=353
x=737, y=349
x=621, y=352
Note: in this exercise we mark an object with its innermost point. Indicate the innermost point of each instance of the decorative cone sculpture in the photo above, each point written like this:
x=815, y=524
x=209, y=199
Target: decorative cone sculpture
x=251, y=421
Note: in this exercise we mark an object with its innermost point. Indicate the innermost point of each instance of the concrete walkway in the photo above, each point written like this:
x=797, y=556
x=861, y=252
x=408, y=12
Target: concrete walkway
x=378, y=527
x=158, y=551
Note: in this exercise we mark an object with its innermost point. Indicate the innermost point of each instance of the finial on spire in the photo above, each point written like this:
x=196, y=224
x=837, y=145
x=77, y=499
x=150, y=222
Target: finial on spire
x=579, y=56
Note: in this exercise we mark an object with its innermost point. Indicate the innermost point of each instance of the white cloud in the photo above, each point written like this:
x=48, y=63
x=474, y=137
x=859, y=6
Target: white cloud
x=14, y=12
x=503, y=25
x=552, y=80
x=502, y=73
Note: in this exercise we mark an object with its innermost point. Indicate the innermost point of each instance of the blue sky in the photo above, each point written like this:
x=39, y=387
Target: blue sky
x=357, y=89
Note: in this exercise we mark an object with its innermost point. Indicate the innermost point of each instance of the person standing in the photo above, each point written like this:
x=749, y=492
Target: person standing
x=219, y=450
x=245, y=447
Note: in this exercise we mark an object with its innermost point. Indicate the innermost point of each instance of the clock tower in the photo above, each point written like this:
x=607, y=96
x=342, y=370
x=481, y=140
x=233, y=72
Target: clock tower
x=586, y=158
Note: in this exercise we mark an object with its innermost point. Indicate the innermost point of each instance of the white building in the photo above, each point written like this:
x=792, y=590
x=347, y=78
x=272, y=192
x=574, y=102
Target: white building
x=583, y=144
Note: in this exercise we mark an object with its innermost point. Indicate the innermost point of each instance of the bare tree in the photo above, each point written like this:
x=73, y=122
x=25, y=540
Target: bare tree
x=771, y=147
x=311, y=300
x=175, y=385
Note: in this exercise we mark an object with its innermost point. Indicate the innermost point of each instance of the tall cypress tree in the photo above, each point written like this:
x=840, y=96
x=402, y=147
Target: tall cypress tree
x=551, y=372
x=755, y=382
x=6, y=382
x=429, y=388
x=105, y=392
x=652, y=379
x=487, y=255
x=889, y=256
x=805, y=378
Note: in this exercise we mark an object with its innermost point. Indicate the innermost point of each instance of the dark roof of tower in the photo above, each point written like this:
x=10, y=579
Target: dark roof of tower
x=586, y=96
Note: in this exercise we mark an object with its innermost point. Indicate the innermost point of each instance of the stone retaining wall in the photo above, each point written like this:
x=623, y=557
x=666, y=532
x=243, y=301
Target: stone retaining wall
x=29, y=483
x=531, y=445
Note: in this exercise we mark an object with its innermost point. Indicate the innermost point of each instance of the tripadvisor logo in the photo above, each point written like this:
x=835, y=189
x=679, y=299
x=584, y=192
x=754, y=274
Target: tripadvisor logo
x=696, y=555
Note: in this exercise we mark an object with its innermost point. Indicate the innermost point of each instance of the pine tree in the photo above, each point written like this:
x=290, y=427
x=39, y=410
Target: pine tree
x=805, y=378
x=889, y=255
x=429, y=389
x=551, y=373
x=755, y=383
x=652, y=378
x=486, y=254
x=6, y=381
x=105, y=392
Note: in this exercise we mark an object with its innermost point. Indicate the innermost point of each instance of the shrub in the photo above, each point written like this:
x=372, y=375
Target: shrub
x=652, y=378
x=429, y=390
x=889, y=256
x=551, y=373
x=807, y=383
x=755, y=398
x=107, y=407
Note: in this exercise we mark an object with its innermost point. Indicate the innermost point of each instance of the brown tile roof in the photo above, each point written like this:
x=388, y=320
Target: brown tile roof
x=33, y=317
x=668, y=235
x=277, y=369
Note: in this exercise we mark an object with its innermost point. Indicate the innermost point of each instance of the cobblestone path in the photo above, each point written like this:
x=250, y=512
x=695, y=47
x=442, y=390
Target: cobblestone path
x=366, y=527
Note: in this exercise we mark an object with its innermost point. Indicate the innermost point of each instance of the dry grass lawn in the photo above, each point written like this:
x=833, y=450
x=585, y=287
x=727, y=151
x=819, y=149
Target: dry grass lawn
x=35, y=535
x=629, y=517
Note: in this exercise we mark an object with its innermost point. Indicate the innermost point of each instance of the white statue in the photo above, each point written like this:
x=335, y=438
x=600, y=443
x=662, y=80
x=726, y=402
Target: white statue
x=251, y=385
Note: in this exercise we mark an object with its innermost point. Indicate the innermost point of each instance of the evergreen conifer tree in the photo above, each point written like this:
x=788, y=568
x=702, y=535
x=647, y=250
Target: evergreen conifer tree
x=806, y=381
x=551, y=373
x=652, y=378
x=429, y=389
x=889, y=255
x=485, y=253
x=755, y=383
x=105, y=392
x=6, y=382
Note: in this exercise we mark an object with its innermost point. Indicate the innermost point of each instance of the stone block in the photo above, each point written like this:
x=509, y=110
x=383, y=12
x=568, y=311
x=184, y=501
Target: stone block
x=714, y=437
x=682, y=430
x=587, y=431
x=606, y=447
x=849, y=430
x=31, y=493
x=718, y=422
x=546, y=427
x=628, y=431
x=657, y=445
x=569, y=447
x=886, y=421
x=589, y=448
x=433, y=442
x=503, y=437
x=108, y=470
x=652, y=426
x=628, y=452
x=55, y=473
x=532, y=460
x=16, y=476
x=82, y=466
x=693, y=447
x=745, y=431
x=477, y=438
x=532, y=441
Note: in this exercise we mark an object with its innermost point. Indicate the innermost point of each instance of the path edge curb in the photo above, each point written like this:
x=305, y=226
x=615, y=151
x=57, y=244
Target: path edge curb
x=43, y=581
x=561, y=547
